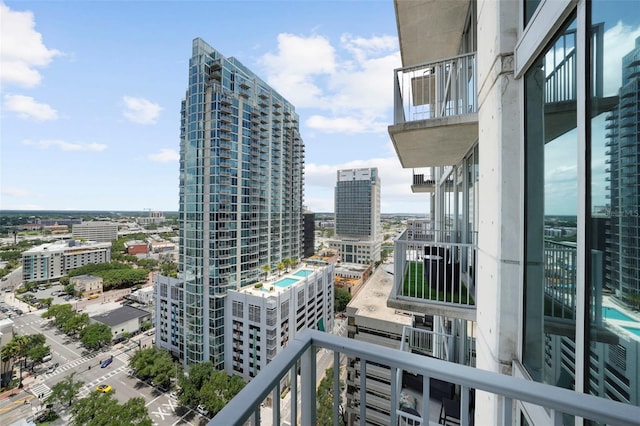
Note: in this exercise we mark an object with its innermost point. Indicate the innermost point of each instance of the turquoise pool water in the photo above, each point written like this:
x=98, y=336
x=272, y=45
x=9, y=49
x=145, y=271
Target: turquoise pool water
x=303, y=273
x=285, y=282
x=633, y=330
x=613, y=313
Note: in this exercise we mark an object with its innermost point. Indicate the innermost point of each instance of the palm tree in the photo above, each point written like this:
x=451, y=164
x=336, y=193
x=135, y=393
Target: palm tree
x=286, y=263
x=266, y=268
x=293, y=261
x=280, y=267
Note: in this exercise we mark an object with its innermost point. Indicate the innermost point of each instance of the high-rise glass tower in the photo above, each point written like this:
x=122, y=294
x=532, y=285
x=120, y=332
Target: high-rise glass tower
x=357, y=215
x=241, y=190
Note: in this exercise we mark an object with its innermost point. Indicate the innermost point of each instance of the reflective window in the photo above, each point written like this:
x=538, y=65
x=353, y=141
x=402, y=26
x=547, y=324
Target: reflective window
x=551, y=210
x=614, y=213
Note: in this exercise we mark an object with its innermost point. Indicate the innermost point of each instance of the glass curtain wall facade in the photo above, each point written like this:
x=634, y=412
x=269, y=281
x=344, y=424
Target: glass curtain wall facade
x=581, y=97
x=241, y=191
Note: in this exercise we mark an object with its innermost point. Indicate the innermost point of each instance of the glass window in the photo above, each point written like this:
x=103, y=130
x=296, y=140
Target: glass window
x=614, y=210
x=530, y=6
x=551, y=184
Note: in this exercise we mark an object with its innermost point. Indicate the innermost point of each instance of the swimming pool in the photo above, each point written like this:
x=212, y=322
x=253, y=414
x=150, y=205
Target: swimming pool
x=303, y=273
x=285, y=282
x=613, y=313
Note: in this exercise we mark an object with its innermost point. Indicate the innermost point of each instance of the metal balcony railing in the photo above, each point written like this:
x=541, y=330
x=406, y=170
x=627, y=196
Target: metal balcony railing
x=434, y=270
x=302, y=351
x=438, y=89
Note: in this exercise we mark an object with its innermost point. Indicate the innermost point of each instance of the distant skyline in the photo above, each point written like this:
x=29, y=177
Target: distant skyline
x=91, y=94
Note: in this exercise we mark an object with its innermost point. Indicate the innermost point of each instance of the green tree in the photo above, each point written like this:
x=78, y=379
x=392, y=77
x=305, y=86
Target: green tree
x=76, y=323
x=286, y=263
x=37, y=353
x=66, y=391
x=100, y=409
x=47, y=301
x=266, y=268
x=96, y=335
x=280, y=268
x=199, y=374
x=324, y=400
x=341, y=299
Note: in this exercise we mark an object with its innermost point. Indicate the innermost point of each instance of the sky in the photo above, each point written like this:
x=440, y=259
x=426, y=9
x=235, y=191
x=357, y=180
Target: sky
x=90, y=95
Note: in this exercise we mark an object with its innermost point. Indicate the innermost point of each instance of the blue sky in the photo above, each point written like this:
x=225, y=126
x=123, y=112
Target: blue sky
x=91, y=94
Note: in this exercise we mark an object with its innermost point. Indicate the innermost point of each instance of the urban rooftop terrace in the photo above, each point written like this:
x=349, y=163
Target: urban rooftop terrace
x=245, y=407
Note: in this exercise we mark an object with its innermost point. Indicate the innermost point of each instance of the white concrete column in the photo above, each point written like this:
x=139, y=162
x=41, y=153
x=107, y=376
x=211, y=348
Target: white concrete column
x=499, y=197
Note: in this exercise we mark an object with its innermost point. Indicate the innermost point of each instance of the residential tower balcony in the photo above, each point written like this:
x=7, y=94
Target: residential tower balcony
x=303, y=351
x=435, y=111
x=434, y=275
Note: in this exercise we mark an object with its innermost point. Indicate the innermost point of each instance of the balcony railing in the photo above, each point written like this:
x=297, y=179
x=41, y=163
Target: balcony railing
x=430, y=270
x=302, y=350
x=439, y=89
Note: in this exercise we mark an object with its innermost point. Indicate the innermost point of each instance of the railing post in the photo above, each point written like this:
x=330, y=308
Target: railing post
x=336, y=388
x=363, y=391
x=398, y=106
x=294, y=395
x=308, y=394
x=393, y=409
x=275, y=404
x=507, y=410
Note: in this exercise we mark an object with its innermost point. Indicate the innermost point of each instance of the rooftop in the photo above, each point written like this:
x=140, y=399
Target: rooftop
x=120, y=315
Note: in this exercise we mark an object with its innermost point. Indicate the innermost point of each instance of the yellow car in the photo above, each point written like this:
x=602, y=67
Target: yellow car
x=104, y=388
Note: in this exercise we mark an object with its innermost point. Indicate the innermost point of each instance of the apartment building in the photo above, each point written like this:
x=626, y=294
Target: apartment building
x=520, y=117
x=95, y=231
x=54, y=260
x=358, y=234
x=262, y=318
x=241, y=189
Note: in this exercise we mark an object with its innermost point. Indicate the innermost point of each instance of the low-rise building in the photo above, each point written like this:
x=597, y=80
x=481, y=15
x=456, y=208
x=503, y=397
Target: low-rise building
x=95, y=231
x=136, y=247
x=123, y=320
x=351, y=276
x=262, y=318
x=54, y=260
x=86, y=285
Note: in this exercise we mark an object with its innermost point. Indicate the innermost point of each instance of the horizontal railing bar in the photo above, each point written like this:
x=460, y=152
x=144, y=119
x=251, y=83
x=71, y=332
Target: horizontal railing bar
x=512, y=388
x=432, y=63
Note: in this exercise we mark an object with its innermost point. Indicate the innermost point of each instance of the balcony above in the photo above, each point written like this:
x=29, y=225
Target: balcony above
x=435, y=112
x=441, y=23
x=434, y=277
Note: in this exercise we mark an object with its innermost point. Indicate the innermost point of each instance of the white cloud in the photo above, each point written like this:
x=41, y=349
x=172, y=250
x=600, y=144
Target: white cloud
x=13, y=191
x=22, y=51
x=66, y=146
x=395, y=184
x=28, y=108
x=619, y=40
x=140, y=110
x=352, y=81
x=165, y=155
x=348, y=125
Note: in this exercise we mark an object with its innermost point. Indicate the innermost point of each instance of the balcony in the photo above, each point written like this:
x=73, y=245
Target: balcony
x=303, y=350
x=435, y=111
x=438, y=276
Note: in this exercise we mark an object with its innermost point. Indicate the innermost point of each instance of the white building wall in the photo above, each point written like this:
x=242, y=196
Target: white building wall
x=499, y=216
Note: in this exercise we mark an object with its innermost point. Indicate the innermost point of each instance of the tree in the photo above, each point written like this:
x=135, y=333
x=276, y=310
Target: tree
x=76, y=323
x=341, y=299
x=280, y=267
x=66, y=391
x=47, y=301
x=155, y=364
x=37, y=353
x=95, y=335
x=191, y=384
x=100, y=409
x=266, y=268
x=324, y=400
x=286, y=263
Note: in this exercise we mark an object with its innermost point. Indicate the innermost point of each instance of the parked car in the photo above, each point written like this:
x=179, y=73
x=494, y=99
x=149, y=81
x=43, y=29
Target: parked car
x=200, y=409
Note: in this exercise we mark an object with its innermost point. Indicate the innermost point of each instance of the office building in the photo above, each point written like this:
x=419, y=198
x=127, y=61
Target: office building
x=95, y=231
x=241, y=190
x=309, y=236
x=358, y=232
x=54, y=260
x=516, y=117
x=262, y=318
